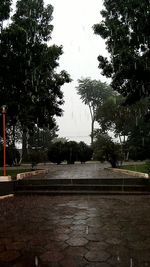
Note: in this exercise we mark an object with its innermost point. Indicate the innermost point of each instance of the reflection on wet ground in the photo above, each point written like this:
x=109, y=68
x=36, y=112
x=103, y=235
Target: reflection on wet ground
x=75, y=171
x=70, y=231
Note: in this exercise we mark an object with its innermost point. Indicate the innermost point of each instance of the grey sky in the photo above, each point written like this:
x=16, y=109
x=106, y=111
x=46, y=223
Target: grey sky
x=73, y=21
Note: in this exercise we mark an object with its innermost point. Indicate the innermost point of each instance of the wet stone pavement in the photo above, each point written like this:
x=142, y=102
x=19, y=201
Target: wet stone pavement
x=88, y=170
x=75, y=231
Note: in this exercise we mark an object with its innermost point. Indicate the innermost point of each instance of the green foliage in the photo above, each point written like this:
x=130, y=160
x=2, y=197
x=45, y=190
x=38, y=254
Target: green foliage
x=12, y=156
x=56, y=152
x=125, y=29
x=84, y=152
x=35, y=156
x=41, y=138
x=4, y=10
x=139, y=141
x=113, y=115
x=71, y=152
x=32, y=89
x=93, y=93
x=145, y=168
x=127, y=123
x=107, y=150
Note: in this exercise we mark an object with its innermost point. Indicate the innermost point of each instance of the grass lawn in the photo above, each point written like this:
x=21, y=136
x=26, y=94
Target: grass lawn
x=14, y=172
x=137, y=168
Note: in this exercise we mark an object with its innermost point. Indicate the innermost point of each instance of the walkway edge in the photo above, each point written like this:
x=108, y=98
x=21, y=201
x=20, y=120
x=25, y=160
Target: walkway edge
x=5, y=178
x=133, y=173
x=32, y=173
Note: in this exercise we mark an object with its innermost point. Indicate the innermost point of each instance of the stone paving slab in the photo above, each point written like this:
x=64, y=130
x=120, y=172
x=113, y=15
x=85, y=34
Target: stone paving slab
x=82, y=171
x=74, y=231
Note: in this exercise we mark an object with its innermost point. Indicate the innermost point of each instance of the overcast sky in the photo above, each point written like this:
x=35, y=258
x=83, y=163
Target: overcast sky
x=73, y=21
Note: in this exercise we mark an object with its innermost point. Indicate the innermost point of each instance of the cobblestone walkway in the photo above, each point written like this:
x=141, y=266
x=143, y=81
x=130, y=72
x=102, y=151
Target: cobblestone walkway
x=75, y=231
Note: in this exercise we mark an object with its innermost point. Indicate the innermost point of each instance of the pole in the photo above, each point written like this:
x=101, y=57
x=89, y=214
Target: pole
x=4, y=138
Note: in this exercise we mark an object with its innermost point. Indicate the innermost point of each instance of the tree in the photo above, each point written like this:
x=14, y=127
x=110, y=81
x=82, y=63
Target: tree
x=138, y=141
x=13, y=156
x=127, y=123
x=125, y=28
x=42, y=138
x=106, y=149
x=93, y=93
x=31, y=90
x=36, y=156
x=4, y=11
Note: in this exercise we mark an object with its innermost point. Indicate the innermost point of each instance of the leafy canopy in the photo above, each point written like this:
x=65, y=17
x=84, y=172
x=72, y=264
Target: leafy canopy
x=125, y=28
x=30, y=86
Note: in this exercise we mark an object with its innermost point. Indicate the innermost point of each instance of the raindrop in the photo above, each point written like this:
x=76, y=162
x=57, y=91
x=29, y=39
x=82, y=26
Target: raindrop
x=146, y=65
x=129, y=40
x=131, y=262
x=135, y=65
x=36, y=261
x=143, y=141
x=118, y=258
x=143, y=88
x=115, y=100
x=136, y=121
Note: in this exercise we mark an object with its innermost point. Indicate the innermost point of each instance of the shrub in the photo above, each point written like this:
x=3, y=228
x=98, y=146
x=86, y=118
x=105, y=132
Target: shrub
x=106, y=149
x=56, y=152
x=12, y=156
x=34, y=157
x=71, y=152
x=84, y=152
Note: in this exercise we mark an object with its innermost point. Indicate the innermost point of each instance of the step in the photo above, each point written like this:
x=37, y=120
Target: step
x=90, y=181
x=80, y=187
x=74, y=192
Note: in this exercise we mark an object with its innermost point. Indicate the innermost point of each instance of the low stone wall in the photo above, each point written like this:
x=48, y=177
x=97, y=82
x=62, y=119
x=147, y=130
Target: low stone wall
x=31, y=173
x=132, y=173
x=5, y=178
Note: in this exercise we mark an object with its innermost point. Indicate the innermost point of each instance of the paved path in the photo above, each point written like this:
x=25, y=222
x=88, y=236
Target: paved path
x=88, y=170
x=75, y=231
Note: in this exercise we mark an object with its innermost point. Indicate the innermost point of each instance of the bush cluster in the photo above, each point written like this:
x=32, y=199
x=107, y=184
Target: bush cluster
x=69, y=151
x=12, y=156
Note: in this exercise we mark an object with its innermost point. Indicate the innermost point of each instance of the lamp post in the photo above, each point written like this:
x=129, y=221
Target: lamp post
x=4, y=137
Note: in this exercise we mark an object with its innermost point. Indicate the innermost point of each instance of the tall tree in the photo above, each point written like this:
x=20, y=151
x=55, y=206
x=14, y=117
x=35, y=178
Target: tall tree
x=42, y=138
x=125, y=28
x=93, y=93
x=127, y=123
x=4, y=11
x=32, y=89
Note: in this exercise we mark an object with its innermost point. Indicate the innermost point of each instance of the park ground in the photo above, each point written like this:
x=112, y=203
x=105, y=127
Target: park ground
x=75, y=231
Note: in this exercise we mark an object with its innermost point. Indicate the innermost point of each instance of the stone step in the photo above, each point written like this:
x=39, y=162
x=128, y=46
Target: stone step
x=74, y=192
x=104, y=181
x=81, y=187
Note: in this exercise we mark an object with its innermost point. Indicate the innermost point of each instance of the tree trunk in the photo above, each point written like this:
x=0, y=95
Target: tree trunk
x=92, y=132
x=24, y=144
